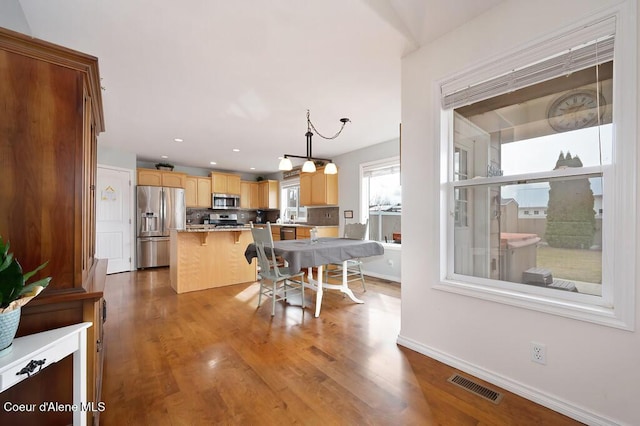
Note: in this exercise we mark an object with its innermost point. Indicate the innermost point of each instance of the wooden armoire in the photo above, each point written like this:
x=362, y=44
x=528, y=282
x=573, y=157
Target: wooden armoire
x=50, y=117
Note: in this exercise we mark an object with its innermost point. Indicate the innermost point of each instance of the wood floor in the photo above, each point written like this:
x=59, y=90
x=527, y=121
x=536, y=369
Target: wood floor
x=210, y=357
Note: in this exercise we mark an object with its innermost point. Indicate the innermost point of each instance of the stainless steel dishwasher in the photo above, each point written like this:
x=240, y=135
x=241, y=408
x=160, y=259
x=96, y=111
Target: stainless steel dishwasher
x=288, y=233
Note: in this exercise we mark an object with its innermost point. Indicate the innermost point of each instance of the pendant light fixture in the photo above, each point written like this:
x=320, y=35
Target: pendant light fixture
x=309, y=165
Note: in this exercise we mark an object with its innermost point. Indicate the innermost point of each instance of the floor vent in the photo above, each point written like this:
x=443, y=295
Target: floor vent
x=476, y=388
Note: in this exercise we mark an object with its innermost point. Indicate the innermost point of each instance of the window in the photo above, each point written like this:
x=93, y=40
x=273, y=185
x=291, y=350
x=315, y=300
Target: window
x=290, y=201
x=540, y=137
x=381, y=200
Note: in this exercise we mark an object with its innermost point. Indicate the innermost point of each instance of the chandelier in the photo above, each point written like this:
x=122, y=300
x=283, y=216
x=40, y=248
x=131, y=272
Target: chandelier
x=309, y=165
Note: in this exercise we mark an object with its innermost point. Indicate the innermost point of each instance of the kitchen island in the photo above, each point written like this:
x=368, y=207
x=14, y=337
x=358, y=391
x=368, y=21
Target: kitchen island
x=208, y=257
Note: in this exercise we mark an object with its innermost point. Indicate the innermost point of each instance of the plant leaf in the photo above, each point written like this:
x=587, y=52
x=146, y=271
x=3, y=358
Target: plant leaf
x=6, y=262
x=11, y=283
x=28, y=288
x=32, y=273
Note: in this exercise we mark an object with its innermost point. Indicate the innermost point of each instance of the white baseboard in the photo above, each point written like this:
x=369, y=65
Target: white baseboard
x=382, y=276
x=561, y=406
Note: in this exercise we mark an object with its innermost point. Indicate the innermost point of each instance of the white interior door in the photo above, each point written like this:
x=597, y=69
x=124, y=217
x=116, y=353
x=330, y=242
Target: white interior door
x=113, y=218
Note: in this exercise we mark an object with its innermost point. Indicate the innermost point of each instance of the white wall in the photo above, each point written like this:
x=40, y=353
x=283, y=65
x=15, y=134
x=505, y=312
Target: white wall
x=592, y=371
x=12, y=17
x=387, y=266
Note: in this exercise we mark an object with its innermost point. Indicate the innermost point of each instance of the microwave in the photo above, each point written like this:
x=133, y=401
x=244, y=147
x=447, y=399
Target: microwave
x=225, y=201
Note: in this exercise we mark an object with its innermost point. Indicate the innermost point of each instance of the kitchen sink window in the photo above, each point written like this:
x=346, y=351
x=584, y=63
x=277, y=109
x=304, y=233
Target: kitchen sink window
x=545, y=134
x=381, y=199
x=290, y=201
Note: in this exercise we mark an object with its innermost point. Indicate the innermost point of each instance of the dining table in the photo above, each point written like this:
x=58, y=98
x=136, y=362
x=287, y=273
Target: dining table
x=305, y=253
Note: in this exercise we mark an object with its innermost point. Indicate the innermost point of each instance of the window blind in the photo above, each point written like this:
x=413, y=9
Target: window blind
x=592, y=45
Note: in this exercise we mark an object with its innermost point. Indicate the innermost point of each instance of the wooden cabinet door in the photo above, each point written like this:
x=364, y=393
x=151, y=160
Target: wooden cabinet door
x=303, y=233
x=218, y=183
x=318, y=189
x=245, y=195
x=224, y=183
x=255, y=195
x=204, y=192
x=233, y=184
x=174, y=179
x=305, y=189
x=268, y=194
x=149, y=177
x=191, y=191
x=275, y=233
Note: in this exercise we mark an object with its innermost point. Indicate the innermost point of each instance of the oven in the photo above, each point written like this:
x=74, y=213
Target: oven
x=287, y=233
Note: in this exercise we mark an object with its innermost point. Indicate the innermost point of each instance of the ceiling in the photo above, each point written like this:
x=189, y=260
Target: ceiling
x=241, y=74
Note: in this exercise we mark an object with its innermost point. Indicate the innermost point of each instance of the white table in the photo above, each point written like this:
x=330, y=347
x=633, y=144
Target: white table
x=31, y=354
x=303, y=254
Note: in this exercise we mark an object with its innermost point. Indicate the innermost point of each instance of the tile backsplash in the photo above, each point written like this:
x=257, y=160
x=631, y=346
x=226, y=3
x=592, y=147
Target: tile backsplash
x=323, y=216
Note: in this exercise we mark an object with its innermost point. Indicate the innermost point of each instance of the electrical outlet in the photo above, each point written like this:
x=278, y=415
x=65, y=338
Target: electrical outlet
x=539, y=353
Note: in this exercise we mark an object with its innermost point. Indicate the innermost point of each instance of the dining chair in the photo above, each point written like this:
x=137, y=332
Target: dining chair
x=282, y=283
x=356, y=231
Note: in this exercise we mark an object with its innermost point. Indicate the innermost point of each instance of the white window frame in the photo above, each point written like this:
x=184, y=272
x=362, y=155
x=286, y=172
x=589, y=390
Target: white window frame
x=364, y=201
x=289, y=183
x=616, y=307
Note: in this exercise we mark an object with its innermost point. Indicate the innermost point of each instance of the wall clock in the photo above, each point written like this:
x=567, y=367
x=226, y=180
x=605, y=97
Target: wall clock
x=575, y=110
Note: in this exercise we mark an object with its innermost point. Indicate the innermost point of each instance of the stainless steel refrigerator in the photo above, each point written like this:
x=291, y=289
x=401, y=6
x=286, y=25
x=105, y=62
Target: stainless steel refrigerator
x=159, y=210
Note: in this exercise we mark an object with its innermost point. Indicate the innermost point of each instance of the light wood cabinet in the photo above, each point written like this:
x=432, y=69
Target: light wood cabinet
x=225, y=183
x=268, y=194
x=275, y=232
x=174, y=179
x=151, y=177
x=54, y=168
x=318, y=189
x=248, y=195
x=304, y=232
x=197, y=191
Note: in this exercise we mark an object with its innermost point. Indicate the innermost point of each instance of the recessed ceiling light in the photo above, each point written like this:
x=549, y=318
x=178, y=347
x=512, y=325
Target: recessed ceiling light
x=178, y=140
x=252, y=168
x=164, y=156
x=213, y=163
x=236, y=150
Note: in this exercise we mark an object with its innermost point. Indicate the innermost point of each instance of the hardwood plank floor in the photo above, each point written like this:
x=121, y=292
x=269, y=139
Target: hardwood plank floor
x=210, y=357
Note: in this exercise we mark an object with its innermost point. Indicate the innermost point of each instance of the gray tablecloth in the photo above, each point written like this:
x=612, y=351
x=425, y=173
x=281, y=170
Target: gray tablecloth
x=302, y=254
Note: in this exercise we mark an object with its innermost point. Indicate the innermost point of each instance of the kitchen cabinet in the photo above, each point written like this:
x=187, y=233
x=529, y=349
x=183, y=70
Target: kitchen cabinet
x=275, y=232
x=48, y=199
x=318, y=189
x=153, y=177
x=260, y=195
x=249, y=195
x=268, y=194
x=304, y=232
x=197, y=191
x=225, y=183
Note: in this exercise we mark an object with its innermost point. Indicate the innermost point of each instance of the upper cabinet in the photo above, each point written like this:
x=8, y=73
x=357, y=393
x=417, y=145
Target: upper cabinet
x=225, y=183
x=318, y=189
x=247, y=189
x=259, y=195
x=268, y=191
x=151, y=177
x=197, y=192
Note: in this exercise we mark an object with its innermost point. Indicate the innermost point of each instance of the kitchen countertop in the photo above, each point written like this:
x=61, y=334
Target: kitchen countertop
x=298, y=225
x=212, y=228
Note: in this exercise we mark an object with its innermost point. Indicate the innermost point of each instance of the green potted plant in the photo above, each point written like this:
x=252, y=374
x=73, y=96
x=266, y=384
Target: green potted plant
x=14, y=293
